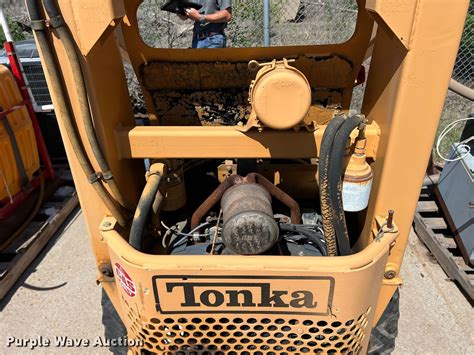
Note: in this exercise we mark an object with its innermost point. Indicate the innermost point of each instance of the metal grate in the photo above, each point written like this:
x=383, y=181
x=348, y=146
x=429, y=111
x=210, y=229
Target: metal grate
x=37, y=81
x=464, y=68
x=248, y=335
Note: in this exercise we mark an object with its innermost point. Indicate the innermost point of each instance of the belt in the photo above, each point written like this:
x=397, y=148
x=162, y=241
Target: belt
x=204, y=35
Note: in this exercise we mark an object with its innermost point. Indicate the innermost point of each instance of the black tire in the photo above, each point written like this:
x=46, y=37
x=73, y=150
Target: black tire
x=382, y=339
x=113, y=325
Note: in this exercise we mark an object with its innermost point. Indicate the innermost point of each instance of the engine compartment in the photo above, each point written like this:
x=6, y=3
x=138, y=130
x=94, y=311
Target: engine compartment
x=239, y=220
x=215, y=207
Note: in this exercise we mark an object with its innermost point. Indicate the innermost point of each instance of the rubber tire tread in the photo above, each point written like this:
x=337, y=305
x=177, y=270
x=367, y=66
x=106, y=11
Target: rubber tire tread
x=113, y=325
x=382, y=339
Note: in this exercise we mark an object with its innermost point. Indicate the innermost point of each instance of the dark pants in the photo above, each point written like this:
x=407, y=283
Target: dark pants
x=215, y=41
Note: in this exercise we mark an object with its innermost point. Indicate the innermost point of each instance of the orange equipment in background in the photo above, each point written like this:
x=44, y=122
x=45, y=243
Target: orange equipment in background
x=19, y=158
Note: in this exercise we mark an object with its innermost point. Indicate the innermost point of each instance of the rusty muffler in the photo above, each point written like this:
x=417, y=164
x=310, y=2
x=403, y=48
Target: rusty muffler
x=249, y=226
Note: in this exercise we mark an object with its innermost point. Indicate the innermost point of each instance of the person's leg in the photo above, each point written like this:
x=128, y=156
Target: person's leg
x=195, y=42
x=203, y=43
x=216, y=41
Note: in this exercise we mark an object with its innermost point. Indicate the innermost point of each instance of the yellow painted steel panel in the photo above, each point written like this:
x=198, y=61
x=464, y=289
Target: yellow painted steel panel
x=20, y=122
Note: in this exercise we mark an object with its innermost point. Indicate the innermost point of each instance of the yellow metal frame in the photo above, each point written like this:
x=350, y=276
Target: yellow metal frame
x=414, y=50
x=358, y=276
x=220, y=142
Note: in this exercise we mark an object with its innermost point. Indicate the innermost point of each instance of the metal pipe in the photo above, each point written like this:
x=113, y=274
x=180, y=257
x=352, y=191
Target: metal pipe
x=213, y=198
x=324, y=192
x=63, y=108
x=149, y=198
x=62, y=32
x=266, y=23
x=280, y=195
x=461, y=89
x=431, y=180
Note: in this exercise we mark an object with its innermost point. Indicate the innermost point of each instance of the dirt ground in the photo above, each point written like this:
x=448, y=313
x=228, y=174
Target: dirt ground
x=58, y=296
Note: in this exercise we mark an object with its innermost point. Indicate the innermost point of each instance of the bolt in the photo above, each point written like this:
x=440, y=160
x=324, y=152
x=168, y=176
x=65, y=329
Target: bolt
x=390, y=219
x=106, y=270
x=106, y=225
x=390, y=275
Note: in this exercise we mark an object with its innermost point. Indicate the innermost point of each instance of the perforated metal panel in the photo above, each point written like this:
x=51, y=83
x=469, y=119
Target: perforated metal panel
x=247, y=305
x=248, y=335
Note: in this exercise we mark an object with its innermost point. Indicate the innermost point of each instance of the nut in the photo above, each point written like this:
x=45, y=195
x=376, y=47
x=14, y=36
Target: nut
x=106, y=269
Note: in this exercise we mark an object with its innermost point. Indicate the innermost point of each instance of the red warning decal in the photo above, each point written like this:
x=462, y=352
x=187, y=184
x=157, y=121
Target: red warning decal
x=125, y=280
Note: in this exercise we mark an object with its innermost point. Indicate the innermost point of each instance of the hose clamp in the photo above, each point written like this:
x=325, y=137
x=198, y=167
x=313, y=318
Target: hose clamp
x=38, y=25
x=107, y=175
x=149, y=174
x=93, y=178
x=56, y=21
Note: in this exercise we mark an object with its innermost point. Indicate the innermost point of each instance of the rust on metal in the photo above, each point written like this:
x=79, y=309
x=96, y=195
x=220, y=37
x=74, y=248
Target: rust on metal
x=210, y=93
x=253, y=178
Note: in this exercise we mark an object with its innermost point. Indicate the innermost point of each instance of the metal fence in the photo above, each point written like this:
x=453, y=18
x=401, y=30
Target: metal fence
x=464, y=68
x=290, y=22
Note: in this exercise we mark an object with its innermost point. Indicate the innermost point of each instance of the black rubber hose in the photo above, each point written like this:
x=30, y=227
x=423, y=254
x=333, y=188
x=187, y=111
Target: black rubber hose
x=144, y=208
x=62, y=106
x=324, y=193
x=307, y=233
x=335, y=182
x=80, y=85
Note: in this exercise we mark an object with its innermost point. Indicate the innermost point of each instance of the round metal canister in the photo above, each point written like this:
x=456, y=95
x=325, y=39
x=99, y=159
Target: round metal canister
x=355, y=195
x=249, y=227
x=175, y=191
x=357, y=183
x=280, y=96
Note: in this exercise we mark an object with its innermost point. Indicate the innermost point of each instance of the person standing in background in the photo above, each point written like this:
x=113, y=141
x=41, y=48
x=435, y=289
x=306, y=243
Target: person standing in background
x=210, y=23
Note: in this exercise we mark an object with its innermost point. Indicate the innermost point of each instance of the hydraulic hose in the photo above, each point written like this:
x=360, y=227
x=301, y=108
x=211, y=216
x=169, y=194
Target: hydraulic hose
x=307, y=233
x=64, y=35
x=325, y=196
x=150, y=197
x=335, y=182
x=63, y=107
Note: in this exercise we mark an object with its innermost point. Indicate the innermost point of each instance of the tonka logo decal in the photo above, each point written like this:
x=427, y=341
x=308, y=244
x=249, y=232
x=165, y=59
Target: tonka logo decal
x=243, y=294
x=125, y=280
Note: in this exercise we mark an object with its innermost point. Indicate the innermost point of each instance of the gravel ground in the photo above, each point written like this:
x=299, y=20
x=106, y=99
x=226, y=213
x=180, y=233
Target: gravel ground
x=58, y=297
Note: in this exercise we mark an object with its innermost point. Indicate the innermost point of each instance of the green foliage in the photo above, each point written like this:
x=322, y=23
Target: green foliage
x=16, y=31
